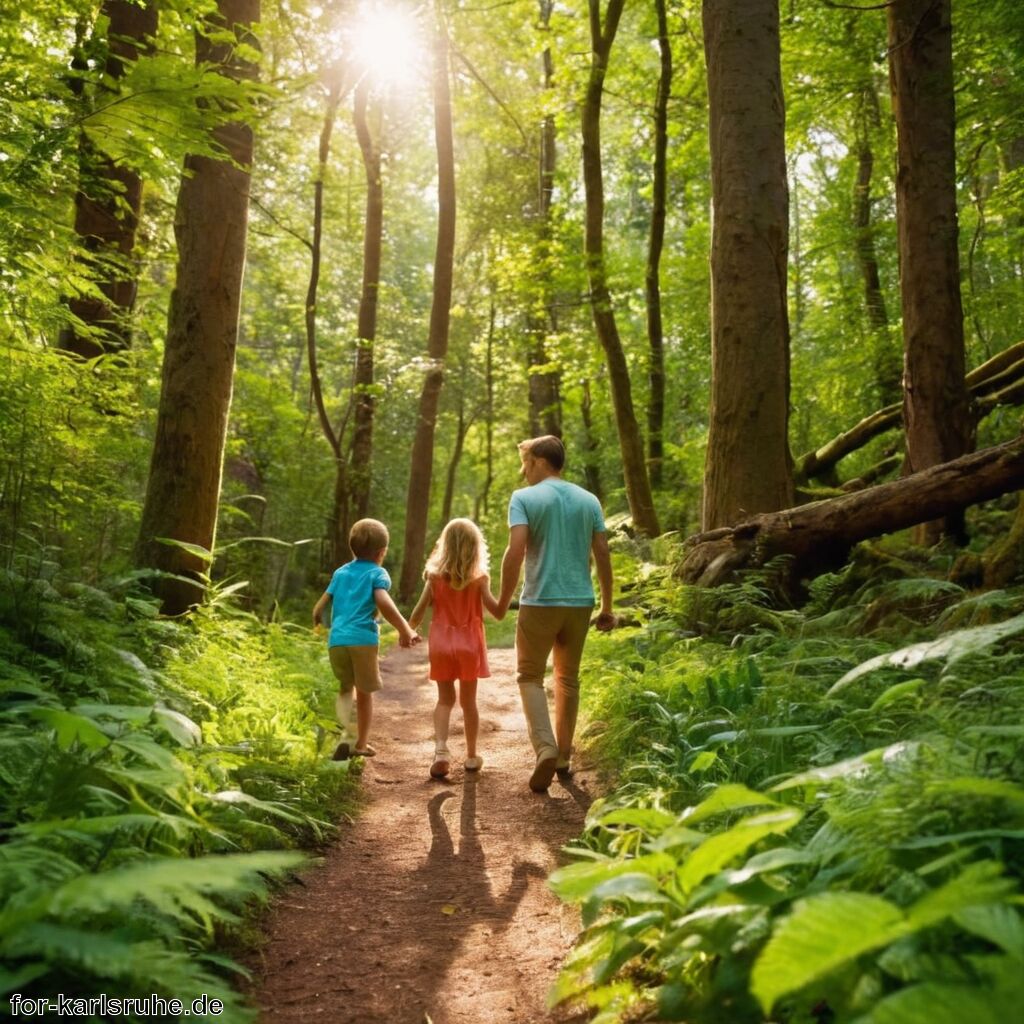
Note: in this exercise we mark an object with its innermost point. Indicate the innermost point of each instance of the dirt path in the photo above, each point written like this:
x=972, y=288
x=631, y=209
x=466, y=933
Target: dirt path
x=433, y=906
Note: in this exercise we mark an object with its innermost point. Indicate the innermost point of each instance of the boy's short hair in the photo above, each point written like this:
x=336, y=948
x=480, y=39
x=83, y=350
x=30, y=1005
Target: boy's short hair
x=367, y=537
x=549, y=448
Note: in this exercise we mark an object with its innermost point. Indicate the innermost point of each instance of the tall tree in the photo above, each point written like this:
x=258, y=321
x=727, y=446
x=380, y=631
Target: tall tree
x=422, y=464
x=655, y=244
x=339, y=514
x=545, y=387
x=935, y=403
x=634, y=466
x=373, y=236
x=109, y=199
x=202, y=332
x=748, y=466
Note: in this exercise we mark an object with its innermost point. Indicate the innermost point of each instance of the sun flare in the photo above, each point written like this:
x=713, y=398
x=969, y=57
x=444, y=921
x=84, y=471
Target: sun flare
x=386, y=44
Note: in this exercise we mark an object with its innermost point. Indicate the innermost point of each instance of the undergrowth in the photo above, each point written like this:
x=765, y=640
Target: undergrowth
x=157, y=777
x=818, y=814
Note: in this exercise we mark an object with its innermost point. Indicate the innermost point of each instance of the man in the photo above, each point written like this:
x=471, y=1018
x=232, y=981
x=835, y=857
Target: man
x=554, y=526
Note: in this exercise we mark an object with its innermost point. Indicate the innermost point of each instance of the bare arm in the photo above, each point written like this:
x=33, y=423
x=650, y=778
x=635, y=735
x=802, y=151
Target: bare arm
x=599, y=547
x=425, y=601
x=489, y=600
x=318, y=608
x=388, y=608
x=511, y=565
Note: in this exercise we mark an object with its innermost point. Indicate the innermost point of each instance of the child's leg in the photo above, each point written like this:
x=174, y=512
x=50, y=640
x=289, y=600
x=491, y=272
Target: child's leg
x=343, y=709
x=364, y=718
x=443, y=713
x=470, y=715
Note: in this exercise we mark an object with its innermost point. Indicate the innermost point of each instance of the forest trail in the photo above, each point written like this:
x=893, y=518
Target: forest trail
x=433, y=906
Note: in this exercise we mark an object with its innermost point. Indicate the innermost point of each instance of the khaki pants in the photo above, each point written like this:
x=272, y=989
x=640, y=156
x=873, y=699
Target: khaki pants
x=541, y=630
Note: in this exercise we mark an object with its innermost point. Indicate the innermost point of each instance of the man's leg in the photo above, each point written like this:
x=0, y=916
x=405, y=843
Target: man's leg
x=568, y=651
x=536, y=629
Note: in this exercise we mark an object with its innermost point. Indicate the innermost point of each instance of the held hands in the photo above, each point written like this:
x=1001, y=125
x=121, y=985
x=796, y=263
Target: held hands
x=408, y=638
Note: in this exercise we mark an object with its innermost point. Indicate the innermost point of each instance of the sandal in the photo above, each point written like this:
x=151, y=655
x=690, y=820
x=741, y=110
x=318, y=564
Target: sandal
x=367, y=751
x=442, y=764
x=473, y=764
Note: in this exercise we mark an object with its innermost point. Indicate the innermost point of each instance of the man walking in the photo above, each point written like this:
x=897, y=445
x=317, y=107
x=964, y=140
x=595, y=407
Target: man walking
x=554, y=526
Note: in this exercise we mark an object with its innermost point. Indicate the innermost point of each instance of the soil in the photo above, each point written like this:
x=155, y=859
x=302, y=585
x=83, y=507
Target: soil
x=432, y=907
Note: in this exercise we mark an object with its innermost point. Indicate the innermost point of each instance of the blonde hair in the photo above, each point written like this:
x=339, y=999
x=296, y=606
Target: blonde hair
x=367, y=537
x=460, y=554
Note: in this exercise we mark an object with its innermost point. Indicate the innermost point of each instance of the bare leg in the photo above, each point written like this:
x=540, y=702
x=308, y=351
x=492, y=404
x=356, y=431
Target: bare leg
x=470, y=715
x=364, y=718
x=443, y=713
x=343, y=711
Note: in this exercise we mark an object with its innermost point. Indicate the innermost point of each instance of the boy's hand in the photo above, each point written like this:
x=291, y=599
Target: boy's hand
x=605, y=622
x=318, y=628
x=406, y=638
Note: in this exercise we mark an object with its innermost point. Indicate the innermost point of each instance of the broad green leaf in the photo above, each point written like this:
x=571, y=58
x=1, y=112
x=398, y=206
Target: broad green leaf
x=647, y=818
x=730, y=797
x=937, y=1003
x=703, y=761
x=717, y=851
x=997, y=923
x=71, y=728
x=193, y=549
x=897, y=692
x=180, y=727
x=976, y=885
x=577, y=882
x=951, y=648
x=639, y=888
x=852, y=767
x=822, y=933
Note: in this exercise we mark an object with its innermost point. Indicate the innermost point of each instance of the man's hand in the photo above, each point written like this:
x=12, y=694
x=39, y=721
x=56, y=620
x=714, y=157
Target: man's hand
x=605, y=622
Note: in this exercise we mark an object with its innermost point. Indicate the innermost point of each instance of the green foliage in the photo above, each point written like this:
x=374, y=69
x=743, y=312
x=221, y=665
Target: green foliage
x=156, y=779
x=798, y=827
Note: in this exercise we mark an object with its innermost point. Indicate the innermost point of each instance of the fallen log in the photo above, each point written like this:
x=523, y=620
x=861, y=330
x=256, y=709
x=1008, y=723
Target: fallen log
x=991, y=384
x=819, y=536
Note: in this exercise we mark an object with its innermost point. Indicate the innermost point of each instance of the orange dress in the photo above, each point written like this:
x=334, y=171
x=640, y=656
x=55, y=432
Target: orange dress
x=457, y=646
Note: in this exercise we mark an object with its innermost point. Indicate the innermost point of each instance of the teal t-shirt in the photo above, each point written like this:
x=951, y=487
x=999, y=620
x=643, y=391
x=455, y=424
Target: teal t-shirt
x=562, y=520
x=353, y=609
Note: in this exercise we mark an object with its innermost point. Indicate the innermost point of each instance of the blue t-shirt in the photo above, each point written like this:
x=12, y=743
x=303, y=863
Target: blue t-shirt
x=562, y=520
x=353, y=609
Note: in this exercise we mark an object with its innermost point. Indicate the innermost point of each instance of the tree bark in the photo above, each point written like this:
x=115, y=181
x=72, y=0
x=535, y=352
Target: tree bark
x=886, y=360
x=202, y=333
x=544, y=385
x=421, y=468
x=373, y=235
x=591, y=465
x=748, y=467
x=655, y=244
x=634, y=466
x=935, y=404
x=819, y=536
x=109, y=200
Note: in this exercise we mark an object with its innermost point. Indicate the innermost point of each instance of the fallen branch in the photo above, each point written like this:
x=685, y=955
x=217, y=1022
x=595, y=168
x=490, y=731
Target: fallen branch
x=999, y=376
x=819, y=536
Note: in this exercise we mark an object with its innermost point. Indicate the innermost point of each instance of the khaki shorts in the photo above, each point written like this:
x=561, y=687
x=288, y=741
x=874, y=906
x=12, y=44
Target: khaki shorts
x=356, y=666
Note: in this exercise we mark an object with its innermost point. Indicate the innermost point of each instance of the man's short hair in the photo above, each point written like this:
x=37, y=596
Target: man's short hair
x=549, y=448
x=367, y=537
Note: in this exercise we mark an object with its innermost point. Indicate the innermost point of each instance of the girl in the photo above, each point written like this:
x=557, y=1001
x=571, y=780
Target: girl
x=459, y=589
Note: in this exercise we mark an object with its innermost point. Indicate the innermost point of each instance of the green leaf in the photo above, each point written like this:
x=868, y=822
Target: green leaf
x=977, y=884
x=952, y=648
x=822, y=933
x=577, y=882
x=897, y=692
x=647, y=818
x=193, y=549
x=997, y=923
x=937, y=1003
x=852, y=767
x=717, y=851
x=730, y=797
x=179, y=727
x=71, y=728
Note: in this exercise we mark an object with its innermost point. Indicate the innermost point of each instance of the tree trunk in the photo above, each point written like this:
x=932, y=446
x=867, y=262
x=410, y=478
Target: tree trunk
x=422, y=464
x=655, y=243
x=634, y=466
x=886, y=360
x=483, y=496
x=108, y=201
x=591, y=466
x=337, y=534
x=545, y=385
x=935, y=404
x=461, y=429
x=202, y=333
x=819, y=536
x=373, y=234
x=748, y=466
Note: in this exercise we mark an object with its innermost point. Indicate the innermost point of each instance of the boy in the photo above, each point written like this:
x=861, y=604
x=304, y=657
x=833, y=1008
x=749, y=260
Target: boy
x=358, y=591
